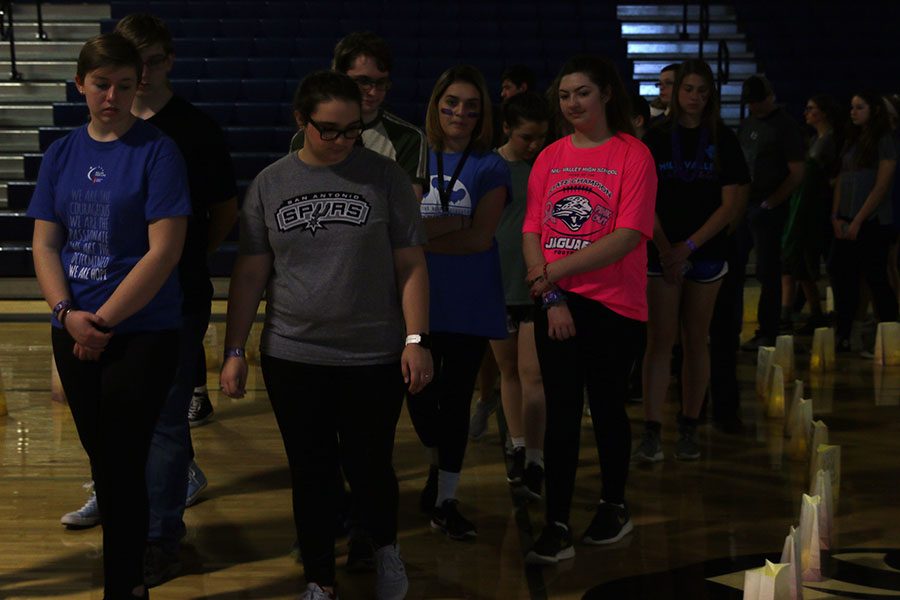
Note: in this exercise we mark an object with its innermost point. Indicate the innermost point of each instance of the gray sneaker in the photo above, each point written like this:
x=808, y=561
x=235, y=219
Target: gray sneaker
x=650, y=448
x=314, y=592
x=86, y=516
x=391, y=582
x=478, y=424
x=687, y=448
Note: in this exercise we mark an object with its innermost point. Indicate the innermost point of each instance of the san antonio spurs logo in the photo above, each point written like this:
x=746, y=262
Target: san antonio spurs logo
x=574, y=211
x=315, y=211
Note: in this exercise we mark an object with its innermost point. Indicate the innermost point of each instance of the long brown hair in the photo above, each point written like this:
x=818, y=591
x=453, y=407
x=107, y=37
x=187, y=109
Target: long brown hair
x=711, y=117
x=866, y=137
x=484, y=129
x=604, y=75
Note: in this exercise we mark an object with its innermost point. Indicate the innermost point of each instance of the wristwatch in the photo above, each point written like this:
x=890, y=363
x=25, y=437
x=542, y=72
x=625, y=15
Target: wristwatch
x=422, y=339
x=235, y=353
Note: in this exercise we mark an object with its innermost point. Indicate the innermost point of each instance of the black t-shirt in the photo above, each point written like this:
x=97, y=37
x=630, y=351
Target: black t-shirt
x=691, y=176
x=211, y=180
x=769, y=144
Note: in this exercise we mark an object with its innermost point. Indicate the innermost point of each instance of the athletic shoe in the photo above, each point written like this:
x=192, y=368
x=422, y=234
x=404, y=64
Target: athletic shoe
x=201, y=409
x=314, y=592
x=160, y=565
x=86, y=516
x=753, y=344
x=650, y=448
x=553, y=545
x=516, y=467
x=196, y=484
x=391, y=582
x=478, y=424
x=610, y=524
x=532, y=481
x=731, y=424
x=360, y=553
x=686, y=448
x=446, y=518
x=428, y=497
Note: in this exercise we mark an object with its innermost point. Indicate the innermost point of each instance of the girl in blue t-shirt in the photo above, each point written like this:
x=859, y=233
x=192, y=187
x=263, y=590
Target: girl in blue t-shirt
x=467, y=191
x=110, y=210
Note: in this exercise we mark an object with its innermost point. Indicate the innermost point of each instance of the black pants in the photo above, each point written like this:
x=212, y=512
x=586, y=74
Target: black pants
x=600, y=357
x=333, y=418
x=440, y=412
x=767, y=227
x=115, y=403
x=868, y=256
x=725, y=332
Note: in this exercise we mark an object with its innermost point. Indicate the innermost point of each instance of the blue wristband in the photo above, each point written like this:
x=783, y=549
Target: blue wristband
x=235, y=353
x=552, y=298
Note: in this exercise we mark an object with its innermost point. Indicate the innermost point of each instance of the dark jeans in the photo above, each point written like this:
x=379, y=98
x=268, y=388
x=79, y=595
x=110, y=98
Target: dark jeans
x=334, y=417
x=171, y=450
x=115, y=403
x=725, y=331
x=440, y=412
x=599, y=356
x=867, y=256
x=766, y=227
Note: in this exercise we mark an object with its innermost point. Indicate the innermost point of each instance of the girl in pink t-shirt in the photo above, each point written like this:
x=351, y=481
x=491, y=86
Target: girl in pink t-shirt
x=591, y=199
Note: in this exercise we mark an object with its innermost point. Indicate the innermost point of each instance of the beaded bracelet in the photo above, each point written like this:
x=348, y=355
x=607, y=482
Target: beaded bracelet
x=60, y=307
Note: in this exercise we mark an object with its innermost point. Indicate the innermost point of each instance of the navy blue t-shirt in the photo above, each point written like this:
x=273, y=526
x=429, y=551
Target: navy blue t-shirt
x=104, y=195
x=466, y=290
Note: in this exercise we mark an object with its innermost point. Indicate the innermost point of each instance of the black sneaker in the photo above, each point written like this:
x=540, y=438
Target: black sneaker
x=753, y=344
x=730, y=424
x=532, y=482
x=360, y=553
x=553, y=545
x=200, y=411
x=160, y=565
x=516, y=467
x=428, y=496
x=610, y=524
x=446, y=518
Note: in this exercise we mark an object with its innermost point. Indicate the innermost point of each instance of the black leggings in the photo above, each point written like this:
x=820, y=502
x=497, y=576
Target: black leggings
x=115, y=403
x=599, y=356
x=440, y=412
x=334, y=417
x=867, y=255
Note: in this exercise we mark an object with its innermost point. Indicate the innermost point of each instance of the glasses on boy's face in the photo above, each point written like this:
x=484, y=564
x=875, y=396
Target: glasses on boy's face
x=329, y=134
x=155, y=61
x=367, y=83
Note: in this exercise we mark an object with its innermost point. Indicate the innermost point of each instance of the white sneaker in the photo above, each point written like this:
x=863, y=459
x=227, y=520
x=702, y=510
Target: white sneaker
x=86, y=516
x=314, y=592
x=391, y=582
x=196, y=484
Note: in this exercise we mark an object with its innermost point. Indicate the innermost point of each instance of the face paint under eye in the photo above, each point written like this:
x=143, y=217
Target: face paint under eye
x=470, y=114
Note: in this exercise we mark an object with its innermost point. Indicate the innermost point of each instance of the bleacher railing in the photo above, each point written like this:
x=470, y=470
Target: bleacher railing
x=7, y=32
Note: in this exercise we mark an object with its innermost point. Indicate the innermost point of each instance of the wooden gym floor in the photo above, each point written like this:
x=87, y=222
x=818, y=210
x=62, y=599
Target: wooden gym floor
x=697, y=525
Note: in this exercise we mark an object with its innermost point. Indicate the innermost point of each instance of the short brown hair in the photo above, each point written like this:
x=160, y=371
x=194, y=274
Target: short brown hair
x=483, y=134
x=144, y=30
x=361, y=43
x=108, y=50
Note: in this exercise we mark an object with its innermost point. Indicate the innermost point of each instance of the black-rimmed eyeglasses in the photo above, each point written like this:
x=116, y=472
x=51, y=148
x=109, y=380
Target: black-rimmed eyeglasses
x=329, y=134
x=367, y=83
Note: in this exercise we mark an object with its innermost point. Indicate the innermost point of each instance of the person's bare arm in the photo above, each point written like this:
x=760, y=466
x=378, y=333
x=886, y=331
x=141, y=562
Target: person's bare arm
x=480, y=235
x=222, y=217
x=166, y=240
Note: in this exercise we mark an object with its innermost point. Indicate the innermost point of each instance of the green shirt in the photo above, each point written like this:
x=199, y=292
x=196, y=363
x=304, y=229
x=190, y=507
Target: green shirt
x=509, y=237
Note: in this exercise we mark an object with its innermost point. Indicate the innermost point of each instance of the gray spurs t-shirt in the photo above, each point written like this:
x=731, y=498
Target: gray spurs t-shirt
x=332, y=296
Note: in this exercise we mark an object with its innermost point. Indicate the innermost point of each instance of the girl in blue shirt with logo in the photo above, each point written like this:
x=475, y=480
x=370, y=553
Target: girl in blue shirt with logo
x=468, y=189
x=110, y=210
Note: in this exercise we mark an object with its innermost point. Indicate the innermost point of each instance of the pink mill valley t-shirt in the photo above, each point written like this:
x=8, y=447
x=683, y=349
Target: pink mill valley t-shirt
x=578, y=195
